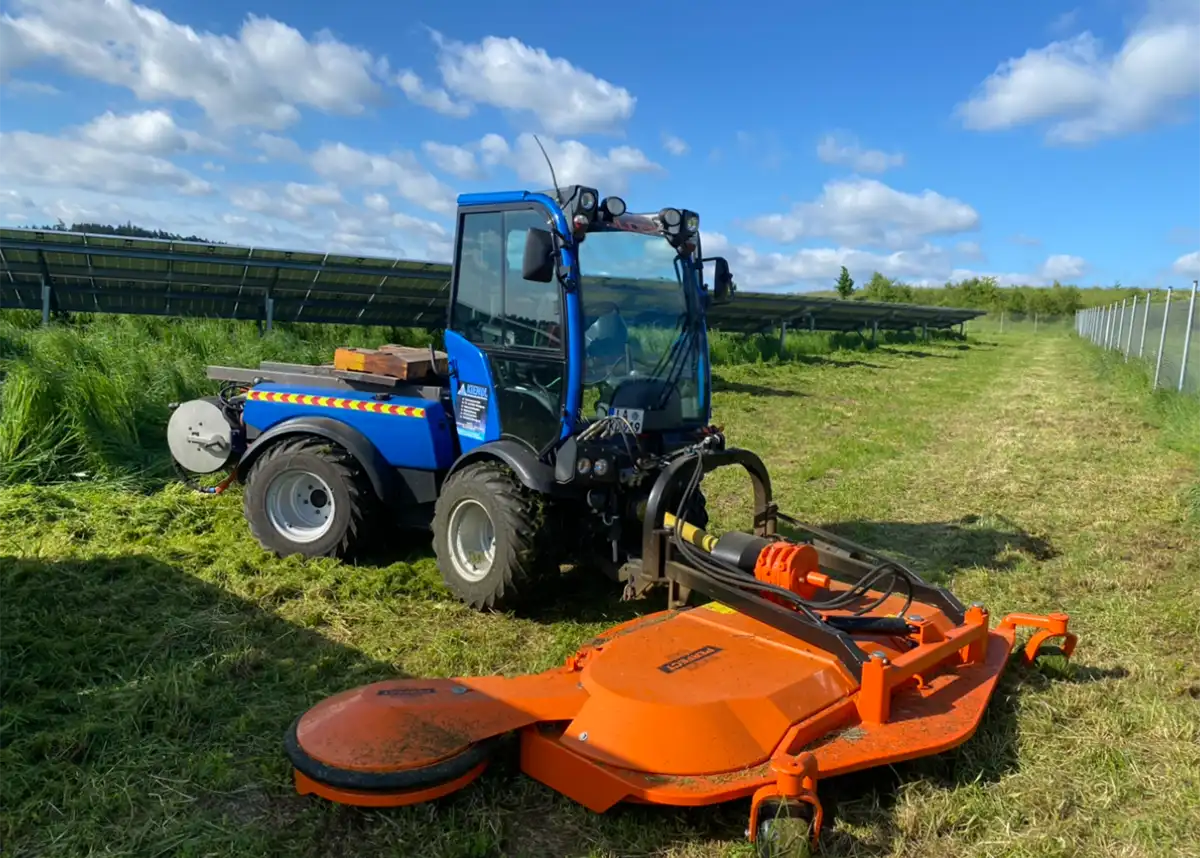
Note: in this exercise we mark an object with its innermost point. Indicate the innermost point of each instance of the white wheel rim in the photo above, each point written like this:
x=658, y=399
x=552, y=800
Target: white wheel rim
x=472, y=539
x=300, y=505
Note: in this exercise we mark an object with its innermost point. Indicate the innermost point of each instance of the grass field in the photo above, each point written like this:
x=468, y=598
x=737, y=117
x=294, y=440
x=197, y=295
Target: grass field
x=153, y=656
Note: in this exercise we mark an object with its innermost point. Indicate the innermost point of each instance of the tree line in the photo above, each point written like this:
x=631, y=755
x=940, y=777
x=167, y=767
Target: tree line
x=985, y=293
x=126, y=230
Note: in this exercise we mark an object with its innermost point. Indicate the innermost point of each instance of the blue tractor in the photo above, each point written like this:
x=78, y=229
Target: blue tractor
x=576, y=368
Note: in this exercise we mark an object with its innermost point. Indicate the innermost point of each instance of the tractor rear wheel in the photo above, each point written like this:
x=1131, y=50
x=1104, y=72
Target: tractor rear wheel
x=489, y=535
x=308, y=496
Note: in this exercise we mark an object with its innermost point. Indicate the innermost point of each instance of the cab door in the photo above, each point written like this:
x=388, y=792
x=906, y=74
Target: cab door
x=505, y=333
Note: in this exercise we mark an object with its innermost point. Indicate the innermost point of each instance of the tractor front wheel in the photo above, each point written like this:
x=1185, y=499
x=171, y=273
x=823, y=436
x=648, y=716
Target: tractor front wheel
x=308, y=496
x=489, y=536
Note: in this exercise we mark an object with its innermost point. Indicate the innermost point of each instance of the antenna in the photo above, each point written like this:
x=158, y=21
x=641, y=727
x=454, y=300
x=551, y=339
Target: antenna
x=553, y=178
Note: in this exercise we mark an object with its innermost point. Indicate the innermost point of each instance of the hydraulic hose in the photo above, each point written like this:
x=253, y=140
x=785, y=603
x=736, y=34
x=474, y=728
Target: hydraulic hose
x=695, y=545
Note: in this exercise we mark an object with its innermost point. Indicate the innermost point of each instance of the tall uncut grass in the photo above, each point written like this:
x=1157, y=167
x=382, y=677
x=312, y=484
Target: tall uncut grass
x=89, y=398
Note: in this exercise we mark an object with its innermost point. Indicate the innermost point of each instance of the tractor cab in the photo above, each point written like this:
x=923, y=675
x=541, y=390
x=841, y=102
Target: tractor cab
x=566, y=309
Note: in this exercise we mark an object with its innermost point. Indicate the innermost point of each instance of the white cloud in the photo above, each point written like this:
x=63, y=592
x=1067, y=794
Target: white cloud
x=400, y=170
x=434, y=98
x=19, y=86
x=1188, y=265
x=37, y=160
x=276, y=148
x=815, y=268
x=1064, y=22
x=455, y=160
x=395, y=235
x=574, y=162
x=376, y=203
x=330, y=223
x=294, y=202
x=969, y=249
x=15, y=207
x=151, y=132
x=1086, y=93
x=14, y=53
x=260, y=201
x=675, y=145
x=493, y=149
x=510, y=75
x=261, y=76
x=848, y=152
x=1062, y=266
x=868, y=212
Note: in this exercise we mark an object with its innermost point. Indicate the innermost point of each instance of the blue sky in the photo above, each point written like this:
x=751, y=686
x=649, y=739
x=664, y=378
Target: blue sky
x=936, y=140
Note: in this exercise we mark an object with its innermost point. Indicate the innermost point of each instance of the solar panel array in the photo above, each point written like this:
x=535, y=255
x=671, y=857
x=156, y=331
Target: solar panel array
x=51, y=270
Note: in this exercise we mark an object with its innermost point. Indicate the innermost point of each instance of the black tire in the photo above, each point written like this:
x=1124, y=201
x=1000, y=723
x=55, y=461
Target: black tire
x=784, y=831
x=521, y=553
x=353, y=498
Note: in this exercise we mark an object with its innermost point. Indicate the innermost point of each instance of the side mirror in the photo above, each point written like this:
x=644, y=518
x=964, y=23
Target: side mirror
x=538, y=262
x=723, y=288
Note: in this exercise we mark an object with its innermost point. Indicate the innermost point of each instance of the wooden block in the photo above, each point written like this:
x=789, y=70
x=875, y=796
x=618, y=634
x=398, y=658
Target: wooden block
x=402, y=362
x=416, y=354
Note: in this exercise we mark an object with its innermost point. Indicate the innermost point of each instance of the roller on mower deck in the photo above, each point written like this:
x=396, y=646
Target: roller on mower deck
x=816, y=657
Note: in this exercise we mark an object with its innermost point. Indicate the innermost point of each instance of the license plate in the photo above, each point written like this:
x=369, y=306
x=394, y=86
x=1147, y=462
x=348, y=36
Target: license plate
x=635, y=416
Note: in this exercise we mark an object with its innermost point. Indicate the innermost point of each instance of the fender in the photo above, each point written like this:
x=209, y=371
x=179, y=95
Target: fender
x=533, y=474
x=379, y=472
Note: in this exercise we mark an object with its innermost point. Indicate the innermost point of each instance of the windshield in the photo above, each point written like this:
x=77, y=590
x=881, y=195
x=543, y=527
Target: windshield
x=636, y=313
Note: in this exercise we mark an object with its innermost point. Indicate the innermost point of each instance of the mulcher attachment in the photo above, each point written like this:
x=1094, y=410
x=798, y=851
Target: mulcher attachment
x=790, y=675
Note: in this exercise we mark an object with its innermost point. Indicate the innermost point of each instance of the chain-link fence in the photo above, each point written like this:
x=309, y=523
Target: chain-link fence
x=1164, y=333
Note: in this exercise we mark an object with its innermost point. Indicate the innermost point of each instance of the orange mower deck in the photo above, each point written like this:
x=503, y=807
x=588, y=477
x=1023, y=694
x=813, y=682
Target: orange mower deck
x=682, y=707
x=803, y=666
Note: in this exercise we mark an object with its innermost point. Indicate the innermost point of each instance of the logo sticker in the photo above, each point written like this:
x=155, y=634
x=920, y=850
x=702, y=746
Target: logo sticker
x=404, y=692
x=689, y=659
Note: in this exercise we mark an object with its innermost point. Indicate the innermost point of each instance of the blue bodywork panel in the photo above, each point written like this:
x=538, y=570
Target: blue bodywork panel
x=472, y=393
x=404, y=440
x=573, y=306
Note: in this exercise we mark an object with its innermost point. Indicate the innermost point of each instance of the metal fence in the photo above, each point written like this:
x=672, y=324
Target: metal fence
x=1164, y=333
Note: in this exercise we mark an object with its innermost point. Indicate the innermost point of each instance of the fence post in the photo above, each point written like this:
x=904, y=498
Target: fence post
x=1187, y=336
x=1145, y=321
x=1133, y=321
x=47, y=293
x=1129, y=336
x=1162, y=338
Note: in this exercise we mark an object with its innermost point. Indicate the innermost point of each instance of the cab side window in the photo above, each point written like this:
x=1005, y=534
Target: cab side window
x=479, y=302
x=532, y=311
x=494, y=304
